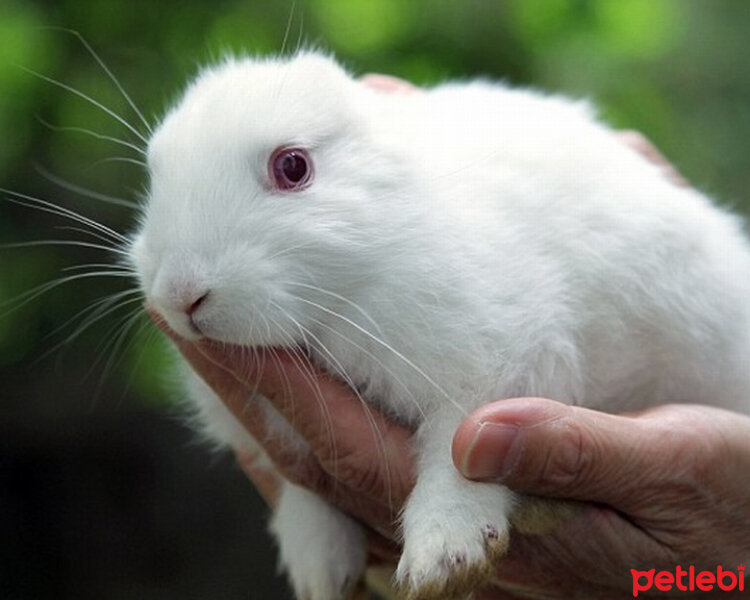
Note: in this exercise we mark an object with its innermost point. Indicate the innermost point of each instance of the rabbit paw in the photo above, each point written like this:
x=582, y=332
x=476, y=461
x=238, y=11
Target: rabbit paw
x=447, y=558
x=321, y=549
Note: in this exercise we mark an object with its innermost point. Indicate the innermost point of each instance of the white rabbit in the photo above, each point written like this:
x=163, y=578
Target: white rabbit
x=437, y=250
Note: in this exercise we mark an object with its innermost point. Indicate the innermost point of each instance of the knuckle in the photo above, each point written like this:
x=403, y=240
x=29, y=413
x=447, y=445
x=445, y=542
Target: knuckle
x=357, y=466
x=571, y=460
x=700, y=454
x=287, y=460
x=318, y=481
x=302, y=470
x=684, y=475
x=358, y=473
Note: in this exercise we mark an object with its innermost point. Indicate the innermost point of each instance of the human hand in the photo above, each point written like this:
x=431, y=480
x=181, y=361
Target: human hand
x=361, y=463
x=664, y=487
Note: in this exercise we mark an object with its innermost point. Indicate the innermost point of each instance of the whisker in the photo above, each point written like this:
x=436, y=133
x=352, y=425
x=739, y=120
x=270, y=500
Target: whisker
x=390, y=348
x=25, y=297
x=112, y=78
x=288, y=249
x=312, y=379
x=86, y=193
x=150, y=337
x=115, y=341
x=46, y=206
x=343, y=299
x=90, y=315
x=256, y=358
x=341, y=371
x=123, y=268
x=375, y=358
x=306, y=334
x=88, y=99
x=303, y=366
x=119, y=328
x=89, y=132
x=123, y=159
x=93, y=234
x=301, y=31
x=89, y=311
x=289, y=20
x=77, y=243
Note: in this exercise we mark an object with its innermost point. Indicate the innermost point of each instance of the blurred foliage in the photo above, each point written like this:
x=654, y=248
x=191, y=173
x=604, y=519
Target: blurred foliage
x=674, y=69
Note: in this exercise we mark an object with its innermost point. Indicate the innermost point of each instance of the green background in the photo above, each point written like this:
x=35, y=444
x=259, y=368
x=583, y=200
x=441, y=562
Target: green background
x=102, y=492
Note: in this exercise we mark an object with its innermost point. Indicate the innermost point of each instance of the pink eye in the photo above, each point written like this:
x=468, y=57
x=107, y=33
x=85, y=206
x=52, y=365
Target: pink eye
x=290, y=169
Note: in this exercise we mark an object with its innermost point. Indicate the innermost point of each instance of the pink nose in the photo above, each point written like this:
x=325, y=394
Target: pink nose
x=195, y=305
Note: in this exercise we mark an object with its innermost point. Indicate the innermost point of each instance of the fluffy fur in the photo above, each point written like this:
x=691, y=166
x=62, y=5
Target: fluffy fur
x=456, y=246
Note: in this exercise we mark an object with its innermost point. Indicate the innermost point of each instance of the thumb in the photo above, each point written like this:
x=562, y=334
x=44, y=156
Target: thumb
x=546, y=448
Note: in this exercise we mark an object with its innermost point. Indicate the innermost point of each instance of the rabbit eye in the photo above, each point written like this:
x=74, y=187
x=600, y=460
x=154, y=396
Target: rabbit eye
x=290, y=169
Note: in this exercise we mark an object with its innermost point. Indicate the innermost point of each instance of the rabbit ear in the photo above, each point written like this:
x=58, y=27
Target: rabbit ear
x=319, y=74
x=318, y=62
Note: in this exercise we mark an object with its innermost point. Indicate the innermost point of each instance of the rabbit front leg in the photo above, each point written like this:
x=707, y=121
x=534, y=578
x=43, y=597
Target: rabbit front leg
x=321, y=549
x=454, y=529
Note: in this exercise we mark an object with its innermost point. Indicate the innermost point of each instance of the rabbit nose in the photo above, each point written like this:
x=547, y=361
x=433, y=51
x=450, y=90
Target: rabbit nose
x=192, y=307
x=180, y=294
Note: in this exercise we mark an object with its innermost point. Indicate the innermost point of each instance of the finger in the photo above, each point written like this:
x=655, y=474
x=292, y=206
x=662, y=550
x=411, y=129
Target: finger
x=496, y=592
x=381, y=550
x=367, y=454
x=266, y=481
x=645, y=148
x=547, y=448
x=352, y=442
x=237, y=394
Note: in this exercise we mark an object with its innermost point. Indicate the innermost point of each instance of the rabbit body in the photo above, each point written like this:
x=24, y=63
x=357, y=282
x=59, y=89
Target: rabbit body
x=456, y=246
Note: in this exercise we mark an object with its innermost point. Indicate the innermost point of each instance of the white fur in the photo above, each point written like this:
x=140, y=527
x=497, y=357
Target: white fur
x=474, y=242
x=322, y=549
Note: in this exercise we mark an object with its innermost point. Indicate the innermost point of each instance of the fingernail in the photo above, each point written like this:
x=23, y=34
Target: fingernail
x=492, y=452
